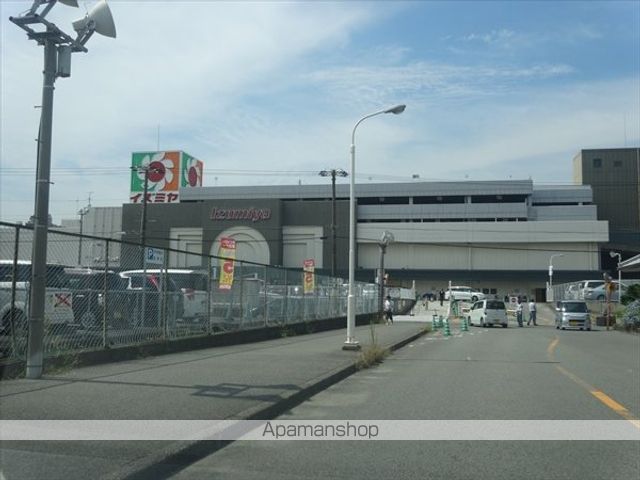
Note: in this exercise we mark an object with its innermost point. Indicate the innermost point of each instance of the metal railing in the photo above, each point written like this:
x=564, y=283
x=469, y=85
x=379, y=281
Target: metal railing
x=102, y=305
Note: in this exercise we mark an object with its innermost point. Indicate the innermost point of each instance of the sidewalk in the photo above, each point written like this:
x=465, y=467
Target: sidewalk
x=250, y=381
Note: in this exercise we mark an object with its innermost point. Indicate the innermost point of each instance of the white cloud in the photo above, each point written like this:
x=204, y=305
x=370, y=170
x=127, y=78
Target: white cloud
x=270, y=87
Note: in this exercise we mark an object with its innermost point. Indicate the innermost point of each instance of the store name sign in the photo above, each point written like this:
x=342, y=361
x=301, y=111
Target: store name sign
x=251, y=213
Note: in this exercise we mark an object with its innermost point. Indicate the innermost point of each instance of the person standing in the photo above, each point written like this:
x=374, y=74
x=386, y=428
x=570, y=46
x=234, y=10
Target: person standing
x=532, y=313
x=388, y=310
x=519, y=309
x=441, y=296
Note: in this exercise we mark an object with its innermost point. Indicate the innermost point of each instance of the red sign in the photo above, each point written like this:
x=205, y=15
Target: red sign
x=62, y=299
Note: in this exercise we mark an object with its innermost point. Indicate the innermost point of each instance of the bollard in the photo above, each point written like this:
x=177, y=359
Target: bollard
x=434, y=322
x=464, y=327
x=447, y=330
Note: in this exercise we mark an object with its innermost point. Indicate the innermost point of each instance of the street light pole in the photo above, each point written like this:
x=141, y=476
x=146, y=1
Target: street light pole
x=333, y=173
x=387, y=237
x=619, y=255
x=58, y=47
x=351, y=343
x=551, y=273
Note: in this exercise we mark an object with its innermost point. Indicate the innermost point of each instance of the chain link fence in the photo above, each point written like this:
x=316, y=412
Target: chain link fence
x=593, y=292
x=104, y=305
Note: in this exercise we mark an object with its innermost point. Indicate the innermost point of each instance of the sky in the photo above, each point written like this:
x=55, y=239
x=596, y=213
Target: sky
x=268, y=93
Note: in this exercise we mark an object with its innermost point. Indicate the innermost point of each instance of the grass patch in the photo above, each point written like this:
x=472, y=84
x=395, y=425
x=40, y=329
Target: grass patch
x=287, y=332
x=371, y=355
x=61, y=364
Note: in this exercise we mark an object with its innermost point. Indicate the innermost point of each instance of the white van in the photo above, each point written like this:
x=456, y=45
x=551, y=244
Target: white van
x=489, y=313
x=58, y=302
x=192, y=284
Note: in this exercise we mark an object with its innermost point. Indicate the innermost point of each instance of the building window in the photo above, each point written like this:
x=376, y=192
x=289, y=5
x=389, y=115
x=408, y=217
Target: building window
x=617, y=163
x=597, y=163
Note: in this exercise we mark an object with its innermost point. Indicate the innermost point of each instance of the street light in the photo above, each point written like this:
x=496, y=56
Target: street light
x=333, y=173
x=619, y=255
x=351, y=342
x=58, y=47
x=551, y=273
x=385, y=240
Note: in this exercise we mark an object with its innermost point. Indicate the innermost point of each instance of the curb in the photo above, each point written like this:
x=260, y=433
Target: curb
x=177, y=456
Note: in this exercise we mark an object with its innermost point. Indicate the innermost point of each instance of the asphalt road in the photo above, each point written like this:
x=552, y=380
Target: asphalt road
x=492, y=374
x=220, y=383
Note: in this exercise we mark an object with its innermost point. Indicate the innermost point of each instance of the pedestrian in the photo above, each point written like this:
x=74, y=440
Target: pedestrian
x=425, y=300
x=388, y=310
x=519, y=309
x=441, y=296
x=532, y=313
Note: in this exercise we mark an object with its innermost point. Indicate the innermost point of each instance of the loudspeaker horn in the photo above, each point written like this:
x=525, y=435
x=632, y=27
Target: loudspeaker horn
x=98, y=19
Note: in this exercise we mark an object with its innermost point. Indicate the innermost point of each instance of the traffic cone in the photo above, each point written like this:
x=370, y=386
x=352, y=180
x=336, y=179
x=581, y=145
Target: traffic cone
x=464, y=327
x=447, y=330
x=434, y=323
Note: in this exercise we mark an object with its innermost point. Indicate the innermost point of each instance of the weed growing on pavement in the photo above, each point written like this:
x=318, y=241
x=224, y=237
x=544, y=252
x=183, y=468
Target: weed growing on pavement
x=372, y=354
x=287, y=332
x=62, y=364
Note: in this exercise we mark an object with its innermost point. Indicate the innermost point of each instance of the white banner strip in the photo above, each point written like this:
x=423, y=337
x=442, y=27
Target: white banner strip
x=189, y=430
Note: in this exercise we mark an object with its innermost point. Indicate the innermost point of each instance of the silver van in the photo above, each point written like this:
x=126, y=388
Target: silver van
x=572, y=314
x=488, y=312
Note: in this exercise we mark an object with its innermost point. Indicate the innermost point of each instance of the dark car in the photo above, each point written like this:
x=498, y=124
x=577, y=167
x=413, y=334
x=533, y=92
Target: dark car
x=153, y=300
x=96, y=293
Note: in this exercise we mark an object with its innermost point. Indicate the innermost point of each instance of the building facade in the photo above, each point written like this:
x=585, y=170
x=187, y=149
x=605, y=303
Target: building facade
x=614, y=177
x=497, y=236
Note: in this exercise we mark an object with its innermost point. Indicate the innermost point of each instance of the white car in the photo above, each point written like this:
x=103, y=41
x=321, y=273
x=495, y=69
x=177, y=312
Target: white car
x=599, y=293
x=14, y=308
x=488, y=313
x=586, y=286
x=466, y=294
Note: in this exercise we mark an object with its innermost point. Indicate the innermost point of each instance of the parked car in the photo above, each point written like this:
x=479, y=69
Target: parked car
x=158, y=292
x=572, y=314
x=88, y=287
x=192, y=283
x=58, y=310
x=488, y=313
x=586, y=286
x=599, y=293
x=463, y=293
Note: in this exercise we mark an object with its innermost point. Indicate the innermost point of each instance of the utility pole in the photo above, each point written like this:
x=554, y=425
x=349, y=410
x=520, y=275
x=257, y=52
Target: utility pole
x=333, y=173
x=82, y=212
x=143, y=221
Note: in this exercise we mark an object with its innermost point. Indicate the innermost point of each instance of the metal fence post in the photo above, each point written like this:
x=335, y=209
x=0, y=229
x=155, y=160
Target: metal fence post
x=209, y=288
x=14, y=273
x=105, y=295
x=162, y=301
x=266, y=302
x=241, y=299
x=285, y=304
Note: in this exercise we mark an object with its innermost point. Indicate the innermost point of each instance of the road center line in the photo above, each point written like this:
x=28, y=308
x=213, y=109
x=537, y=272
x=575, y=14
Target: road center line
x=603, y=397
x=552, y=347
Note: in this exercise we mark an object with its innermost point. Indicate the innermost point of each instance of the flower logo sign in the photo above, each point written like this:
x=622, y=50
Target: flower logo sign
x=166, y=172
x=191, y=172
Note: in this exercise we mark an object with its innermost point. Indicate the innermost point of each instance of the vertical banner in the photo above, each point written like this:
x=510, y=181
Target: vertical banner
x=309, y=266
x=228, y=250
